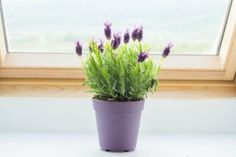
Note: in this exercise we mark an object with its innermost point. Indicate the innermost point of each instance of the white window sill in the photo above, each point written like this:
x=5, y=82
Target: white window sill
x=41, y=114
x=77, y=145
x=55, y=127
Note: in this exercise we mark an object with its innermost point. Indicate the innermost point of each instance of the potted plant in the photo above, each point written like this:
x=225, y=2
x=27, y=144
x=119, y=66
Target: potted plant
x=120, y=73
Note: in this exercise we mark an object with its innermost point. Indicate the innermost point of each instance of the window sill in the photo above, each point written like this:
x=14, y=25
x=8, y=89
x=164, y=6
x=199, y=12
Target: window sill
x=74, y=88
x=59, y=144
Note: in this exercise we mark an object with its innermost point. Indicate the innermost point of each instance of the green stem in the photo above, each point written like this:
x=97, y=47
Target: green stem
x=160, y=63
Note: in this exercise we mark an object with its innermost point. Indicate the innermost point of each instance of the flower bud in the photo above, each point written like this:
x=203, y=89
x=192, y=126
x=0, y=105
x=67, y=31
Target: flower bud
x=116, y=41
x=78, y=48
x=135, y=34
x=142, y=56
x=126, y=37
x=166, y=50
x=107, y=30
x=140, y=33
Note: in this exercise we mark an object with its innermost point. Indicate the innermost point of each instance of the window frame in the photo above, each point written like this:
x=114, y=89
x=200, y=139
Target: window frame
x=176, y=67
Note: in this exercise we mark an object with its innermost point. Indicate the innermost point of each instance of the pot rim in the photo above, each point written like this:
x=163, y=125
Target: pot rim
x=94, y=99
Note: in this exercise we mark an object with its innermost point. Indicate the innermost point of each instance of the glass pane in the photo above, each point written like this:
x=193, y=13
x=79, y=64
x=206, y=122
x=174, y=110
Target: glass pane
x=52, y=26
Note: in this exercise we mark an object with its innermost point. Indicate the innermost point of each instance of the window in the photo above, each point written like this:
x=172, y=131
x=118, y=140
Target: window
x=194, y=26
x=37, y=37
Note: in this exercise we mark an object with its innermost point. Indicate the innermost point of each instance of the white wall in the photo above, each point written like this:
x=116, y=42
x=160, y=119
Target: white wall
x=77, y=115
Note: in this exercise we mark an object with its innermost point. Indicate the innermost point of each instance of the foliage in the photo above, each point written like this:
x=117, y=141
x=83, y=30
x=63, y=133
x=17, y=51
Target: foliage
x=121, y=72
x=117, y=74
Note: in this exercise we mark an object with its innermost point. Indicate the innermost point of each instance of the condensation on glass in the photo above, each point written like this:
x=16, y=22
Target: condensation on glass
x=53, y=26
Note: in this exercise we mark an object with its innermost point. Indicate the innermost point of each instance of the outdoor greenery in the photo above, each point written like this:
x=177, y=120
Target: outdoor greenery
x=121, y=71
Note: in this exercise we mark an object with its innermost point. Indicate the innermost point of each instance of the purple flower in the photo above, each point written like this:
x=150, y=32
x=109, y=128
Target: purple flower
x=126, y=37
x=166, y=50
x=100, y=46
x=142, y=56
x=116, y=41
x=137, y=33
x=107, y=30
x=140, y=33
x=114, y=44
x=78, y=48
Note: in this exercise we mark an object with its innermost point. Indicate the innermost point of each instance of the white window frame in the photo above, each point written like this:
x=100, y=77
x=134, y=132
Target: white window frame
x=176, y=67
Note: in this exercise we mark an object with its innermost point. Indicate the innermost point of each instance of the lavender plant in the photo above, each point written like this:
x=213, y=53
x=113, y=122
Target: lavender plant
x=121, y=71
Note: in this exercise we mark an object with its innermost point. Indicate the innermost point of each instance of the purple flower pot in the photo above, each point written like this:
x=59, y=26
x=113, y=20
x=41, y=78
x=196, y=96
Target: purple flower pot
x=118, y=124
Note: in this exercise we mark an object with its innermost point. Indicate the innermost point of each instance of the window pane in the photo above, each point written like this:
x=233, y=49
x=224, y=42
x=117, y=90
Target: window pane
x=52, y=26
